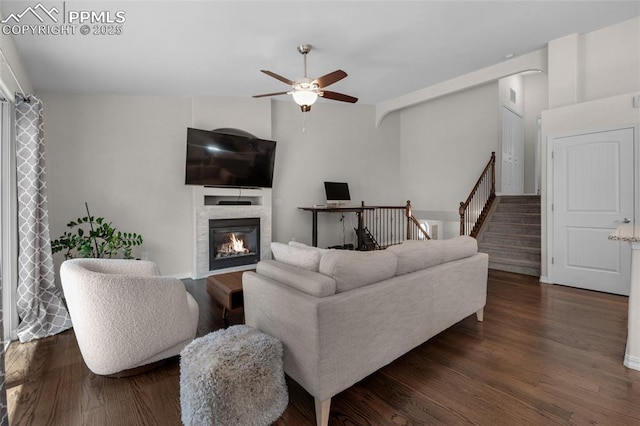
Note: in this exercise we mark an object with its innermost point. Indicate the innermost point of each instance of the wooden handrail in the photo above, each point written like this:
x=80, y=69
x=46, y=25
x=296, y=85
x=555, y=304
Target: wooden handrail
x=411, y=220
x=469, y=225
x=384, y=207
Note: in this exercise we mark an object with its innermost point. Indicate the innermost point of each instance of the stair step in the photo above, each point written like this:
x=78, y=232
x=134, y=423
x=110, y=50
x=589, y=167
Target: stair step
x=519, y=266
x=511, y=255
x=503, y=217
x=534, y=272
x=520, y=199
x=514, y=228
x=517, y=208
x=508, y=248
x=513, y=240
x=515, y=262
x=512, y=235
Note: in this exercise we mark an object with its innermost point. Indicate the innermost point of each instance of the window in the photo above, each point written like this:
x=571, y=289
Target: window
x=8, y=220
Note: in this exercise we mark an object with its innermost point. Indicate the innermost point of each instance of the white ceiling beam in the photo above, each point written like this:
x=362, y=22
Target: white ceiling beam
x=534, y=61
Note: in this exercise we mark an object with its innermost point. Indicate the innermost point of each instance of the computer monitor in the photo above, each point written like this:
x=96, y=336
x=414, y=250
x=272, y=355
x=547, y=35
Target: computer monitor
x=337, y=192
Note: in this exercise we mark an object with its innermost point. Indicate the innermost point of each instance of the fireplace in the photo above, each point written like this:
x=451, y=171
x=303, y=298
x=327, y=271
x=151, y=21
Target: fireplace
x=213, y=204
x=233, y=242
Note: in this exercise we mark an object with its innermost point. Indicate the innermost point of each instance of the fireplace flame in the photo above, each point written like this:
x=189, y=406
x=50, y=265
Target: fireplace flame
x=234, y=247
x=237, y=245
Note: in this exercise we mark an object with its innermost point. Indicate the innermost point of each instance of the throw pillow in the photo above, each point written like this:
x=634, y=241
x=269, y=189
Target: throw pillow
x=296, y=256
x=304, y=246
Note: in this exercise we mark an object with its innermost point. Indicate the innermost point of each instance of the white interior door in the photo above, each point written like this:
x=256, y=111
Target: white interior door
x=593, y=193
x=512, y=153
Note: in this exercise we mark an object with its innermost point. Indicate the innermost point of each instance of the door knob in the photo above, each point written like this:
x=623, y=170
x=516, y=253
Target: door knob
x=624, y=220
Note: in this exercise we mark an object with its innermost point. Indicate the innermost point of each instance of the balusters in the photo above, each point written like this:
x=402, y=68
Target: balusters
x=391, y=224
x=472, y=211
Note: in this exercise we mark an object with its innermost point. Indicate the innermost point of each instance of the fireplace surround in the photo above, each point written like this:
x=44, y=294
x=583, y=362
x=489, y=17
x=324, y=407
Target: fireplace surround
x=225, y=204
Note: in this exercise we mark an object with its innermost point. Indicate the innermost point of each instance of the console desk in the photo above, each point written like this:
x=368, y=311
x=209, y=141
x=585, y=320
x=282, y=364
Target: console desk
x=335, y=209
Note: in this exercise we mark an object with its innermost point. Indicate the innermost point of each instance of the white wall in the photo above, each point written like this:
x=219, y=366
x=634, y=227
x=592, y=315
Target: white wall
x=214, y=112
x=340, y=143
x=505, y=86
x=8, y=84
x=610, y=64
x=445, y=145
x=125, y=156
x=609, y=61
x=595, y=65
x=535, y=101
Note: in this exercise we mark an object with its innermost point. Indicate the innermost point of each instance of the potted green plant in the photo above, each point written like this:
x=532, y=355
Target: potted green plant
x=94, y=237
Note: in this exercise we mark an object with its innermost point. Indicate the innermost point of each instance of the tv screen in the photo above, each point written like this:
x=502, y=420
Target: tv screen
x=221, y=159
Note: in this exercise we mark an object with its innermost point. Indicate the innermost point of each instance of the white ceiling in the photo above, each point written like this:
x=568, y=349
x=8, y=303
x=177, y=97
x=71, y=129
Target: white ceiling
x=388, y=48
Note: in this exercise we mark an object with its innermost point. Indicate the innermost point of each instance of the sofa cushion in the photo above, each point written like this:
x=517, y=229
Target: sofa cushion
x=353, y=269
x=309, y=282
x=459, y=248
x=416, y=255
x=296, y=256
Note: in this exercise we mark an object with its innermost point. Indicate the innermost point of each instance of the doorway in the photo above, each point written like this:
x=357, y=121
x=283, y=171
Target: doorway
x=593, y=193
x=512, y=170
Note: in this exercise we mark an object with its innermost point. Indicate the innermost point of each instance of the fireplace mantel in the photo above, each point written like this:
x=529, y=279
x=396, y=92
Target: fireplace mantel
x=227, y=203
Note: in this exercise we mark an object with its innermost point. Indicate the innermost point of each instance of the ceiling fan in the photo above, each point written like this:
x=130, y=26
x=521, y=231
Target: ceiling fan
x=305, y=90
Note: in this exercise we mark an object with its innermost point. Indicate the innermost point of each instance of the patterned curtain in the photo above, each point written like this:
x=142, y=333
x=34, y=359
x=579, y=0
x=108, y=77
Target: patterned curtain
x=4, y=416
x=40, y=307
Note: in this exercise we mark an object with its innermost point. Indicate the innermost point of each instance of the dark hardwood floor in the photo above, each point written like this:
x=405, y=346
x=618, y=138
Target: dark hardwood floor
x=543, y=355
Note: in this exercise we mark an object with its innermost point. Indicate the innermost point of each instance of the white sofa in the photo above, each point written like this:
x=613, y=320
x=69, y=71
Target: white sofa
x=124, y=314
x=359, y=311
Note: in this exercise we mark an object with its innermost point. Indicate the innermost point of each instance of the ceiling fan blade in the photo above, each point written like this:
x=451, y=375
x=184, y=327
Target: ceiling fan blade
x=270, y=94
x=338, y=96
x=330, y=78
x=278, y=77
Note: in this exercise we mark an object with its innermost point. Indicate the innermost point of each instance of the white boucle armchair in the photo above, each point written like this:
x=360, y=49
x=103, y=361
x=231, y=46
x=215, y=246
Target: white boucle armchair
x=124, y=314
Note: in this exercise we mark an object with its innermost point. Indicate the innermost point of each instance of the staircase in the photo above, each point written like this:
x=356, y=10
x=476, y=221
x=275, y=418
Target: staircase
x=511, y=234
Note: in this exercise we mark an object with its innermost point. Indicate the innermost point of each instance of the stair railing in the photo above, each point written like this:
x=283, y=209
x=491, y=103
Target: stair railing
x=389, y=225
x=473, y=211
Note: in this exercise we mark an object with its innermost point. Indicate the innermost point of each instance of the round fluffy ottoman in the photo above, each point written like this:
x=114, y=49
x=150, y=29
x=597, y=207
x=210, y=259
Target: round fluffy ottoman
x=232, y=377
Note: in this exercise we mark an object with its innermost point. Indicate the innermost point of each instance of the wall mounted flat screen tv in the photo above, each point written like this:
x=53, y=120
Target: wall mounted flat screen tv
x=220, y=159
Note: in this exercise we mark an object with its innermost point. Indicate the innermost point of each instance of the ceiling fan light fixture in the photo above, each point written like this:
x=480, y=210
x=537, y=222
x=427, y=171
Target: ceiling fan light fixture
x=305, y=97
x=305, y=90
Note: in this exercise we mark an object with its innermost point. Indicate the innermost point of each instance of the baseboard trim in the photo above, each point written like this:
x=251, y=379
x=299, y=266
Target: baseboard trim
x=632, y=362
x=181, y=276
x=544, y=279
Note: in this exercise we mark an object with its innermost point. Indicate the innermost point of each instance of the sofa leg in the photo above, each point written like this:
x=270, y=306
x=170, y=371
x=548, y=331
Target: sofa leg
x=480, y=314
x=322, y=411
